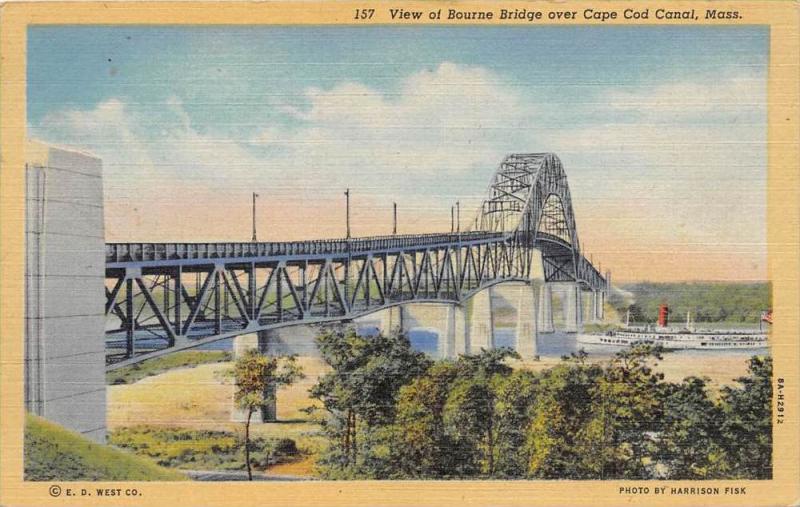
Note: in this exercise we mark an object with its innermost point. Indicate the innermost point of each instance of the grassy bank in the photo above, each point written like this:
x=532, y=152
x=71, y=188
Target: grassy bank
x=55, y=453
x=203, y=449
x=187, y=358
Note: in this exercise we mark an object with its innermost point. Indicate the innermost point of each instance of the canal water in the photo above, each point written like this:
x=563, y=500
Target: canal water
x=547, y=345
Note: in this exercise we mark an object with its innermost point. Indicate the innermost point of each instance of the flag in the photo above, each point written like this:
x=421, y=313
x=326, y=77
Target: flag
x=766, y=316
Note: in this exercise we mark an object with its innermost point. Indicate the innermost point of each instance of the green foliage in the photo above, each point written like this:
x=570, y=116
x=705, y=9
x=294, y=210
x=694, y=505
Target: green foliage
x=627, y=406
x=469, y=413
x=476, y=417
x=420, y=446
x=55, y=453
x=155, y=366
x=747, y=422
x=360, y=395
x=469, y=418
x=258, y=378
x=708, y=302
x=515, y=395
x=560, y=439
x=689, y=443
x=201, y=449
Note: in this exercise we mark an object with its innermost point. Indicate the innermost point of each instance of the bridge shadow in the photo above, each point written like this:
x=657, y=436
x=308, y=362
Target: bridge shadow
x=295, y=420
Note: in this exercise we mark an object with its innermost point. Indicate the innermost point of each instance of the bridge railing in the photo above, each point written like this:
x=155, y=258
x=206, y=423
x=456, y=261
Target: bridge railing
x=143, y=252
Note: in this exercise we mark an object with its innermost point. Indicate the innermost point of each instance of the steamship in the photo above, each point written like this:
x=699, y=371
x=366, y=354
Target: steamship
x=679, y=338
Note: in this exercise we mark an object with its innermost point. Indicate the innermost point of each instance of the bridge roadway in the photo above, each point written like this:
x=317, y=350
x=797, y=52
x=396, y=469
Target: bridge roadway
x=155, y=255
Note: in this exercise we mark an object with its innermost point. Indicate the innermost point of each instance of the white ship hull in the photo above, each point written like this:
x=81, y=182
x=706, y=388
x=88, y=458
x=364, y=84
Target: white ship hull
x=706, y=341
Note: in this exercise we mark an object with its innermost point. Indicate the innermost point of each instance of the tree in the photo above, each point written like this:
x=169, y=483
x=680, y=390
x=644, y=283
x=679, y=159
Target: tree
x=560, y=441
x=360, y=393
x=515, y=397
x=469, y=413
x=628, y=404
x=688, y=443
x=420, y=446
x=747, y=423
x=469, y=416
x=257, y=379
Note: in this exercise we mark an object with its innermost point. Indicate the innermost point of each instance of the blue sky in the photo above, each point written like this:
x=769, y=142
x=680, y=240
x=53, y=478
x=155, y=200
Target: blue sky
x=661, y=129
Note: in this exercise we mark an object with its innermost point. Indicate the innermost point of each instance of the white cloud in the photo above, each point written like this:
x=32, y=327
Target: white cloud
x=740, y=95
x=685, y=158
x=143, y=150
x=448, y=120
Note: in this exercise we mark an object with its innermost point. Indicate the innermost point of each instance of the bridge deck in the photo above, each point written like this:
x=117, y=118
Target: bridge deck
x=119, y=254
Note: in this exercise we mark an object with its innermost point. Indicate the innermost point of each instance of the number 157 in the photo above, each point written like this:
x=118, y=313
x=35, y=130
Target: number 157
x=364, y=13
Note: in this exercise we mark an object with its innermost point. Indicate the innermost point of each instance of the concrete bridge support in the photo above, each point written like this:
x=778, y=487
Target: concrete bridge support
x=447, y=320
x=261, y=342
x=573, y=307
x=597, y=306
x=65, y=350
x=524, y=299
x=601, y=305
x=545, y=309
x=460, y=330
x=391, y=319
x=481, y=325
x=527, y=330
x=590, y=306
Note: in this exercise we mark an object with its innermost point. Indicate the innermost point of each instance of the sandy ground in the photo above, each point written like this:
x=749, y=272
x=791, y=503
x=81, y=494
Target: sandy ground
x=720, y=370
x=202, y=398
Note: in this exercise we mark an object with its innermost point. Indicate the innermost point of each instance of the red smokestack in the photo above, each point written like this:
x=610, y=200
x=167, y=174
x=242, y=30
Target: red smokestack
x=663, y=315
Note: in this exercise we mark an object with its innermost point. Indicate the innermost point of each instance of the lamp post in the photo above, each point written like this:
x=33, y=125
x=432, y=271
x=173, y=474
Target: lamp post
x=394, y=218
x=458, y=216
x=347, y=216
x=452, y=220
x=254, y=217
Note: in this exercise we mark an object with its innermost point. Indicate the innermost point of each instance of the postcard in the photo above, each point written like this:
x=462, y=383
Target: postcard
x=400, y=253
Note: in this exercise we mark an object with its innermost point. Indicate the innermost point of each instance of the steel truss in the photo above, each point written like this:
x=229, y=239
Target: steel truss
x=170, y=296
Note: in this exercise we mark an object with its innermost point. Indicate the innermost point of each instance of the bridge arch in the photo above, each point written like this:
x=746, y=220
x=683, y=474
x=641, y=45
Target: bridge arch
x=529, y=200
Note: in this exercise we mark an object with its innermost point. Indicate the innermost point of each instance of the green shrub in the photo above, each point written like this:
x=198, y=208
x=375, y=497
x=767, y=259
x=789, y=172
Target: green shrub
x=202, y=449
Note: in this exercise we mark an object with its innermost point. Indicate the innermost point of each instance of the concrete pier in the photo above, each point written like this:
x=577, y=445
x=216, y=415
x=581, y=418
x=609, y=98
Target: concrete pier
x=601, y=305
x=390, y=319
x=65, y=378
x=458, y=317
x=469, y=328
x=447, y=320
x=481, y=325
x=545, y=309
x=523, y=297
x=572, y=306
x=241, y=344
x=588, y=310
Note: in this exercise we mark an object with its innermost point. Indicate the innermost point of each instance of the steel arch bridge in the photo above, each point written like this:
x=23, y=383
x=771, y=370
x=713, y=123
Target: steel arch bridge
x=164, y=297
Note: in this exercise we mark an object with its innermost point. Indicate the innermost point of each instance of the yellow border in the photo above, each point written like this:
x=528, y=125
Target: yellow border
x=783, y=265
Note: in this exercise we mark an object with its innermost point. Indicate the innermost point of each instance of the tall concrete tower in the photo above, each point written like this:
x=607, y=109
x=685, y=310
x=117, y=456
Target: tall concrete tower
x=64, y=287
